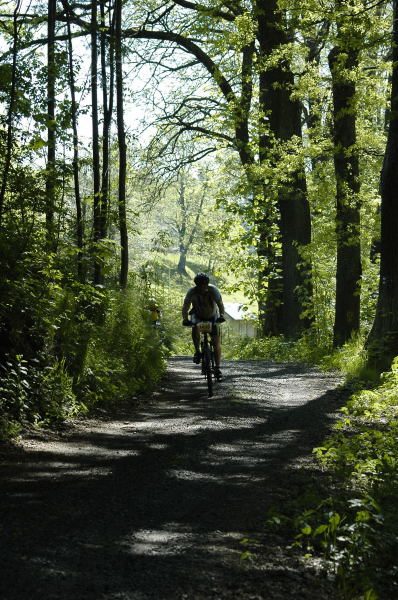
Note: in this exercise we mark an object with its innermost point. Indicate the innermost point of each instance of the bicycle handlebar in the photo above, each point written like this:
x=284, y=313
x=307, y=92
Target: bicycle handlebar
x=188, y=323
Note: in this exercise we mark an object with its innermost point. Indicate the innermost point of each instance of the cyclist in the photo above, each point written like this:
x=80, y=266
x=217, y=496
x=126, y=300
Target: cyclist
x=155, y=312
x=207, y=305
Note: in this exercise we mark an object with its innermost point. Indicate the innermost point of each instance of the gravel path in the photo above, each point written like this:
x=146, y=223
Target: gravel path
x=152, y=503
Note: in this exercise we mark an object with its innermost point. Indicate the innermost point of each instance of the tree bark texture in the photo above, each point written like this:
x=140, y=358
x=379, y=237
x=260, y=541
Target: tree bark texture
x=121, y=135
x=382, y=342
x=51, y=175
x=107, y=103
x=10, y=112
x=98, y=262
x=75, y=162
x=346, y=166
x=284, y=121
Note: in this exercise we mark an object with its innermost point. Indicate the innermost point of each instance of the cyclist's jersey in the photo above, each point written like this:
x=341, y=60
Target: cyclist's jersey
x=204, y=306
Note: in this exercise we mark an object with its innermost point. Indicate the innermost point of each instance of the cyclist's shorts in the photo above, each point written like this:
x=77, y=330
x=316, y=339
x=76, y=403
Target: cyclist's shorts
x=216, y=326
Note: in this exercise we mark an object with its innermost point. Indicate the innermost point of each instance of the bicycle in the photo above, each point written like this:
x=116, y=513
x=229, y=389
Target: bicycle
x=207, y=351
x=205, y=329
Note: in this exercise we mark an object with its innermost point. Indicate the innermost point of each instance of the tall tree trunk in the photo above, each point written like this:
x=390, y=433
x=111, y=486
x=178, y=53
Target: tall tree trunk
x=98, y=263
x=121, y=135
x=10, y=112
x=182, y=230
x=185, y=240
x=182, y=260
x=75, y=162
x=284, y=121
x=346, y=166
x=51, y=124
x=382, y=342
x=107, y=103
x=270, y=283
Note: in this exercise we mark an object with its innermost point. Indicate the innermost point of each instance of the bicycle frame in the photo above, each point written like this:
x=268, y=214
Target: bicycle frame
x=207, y=350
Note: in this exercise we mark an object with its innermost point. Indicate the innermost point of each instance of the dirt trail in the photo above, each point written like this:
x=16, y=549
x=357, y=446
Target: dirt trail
x=153, y=503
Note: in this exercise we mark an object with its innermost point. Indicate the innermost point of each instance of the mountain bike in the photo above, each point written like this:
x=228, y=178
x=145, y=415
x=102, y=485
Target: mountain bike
x=205, y=329
x=207, y=351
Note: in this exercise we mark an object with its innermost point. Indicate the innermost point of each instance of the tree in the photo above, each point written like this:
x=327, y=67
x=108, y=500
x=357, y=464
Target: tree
x=121, y=136
x=51, y=127
x=294, y=219
x=382, y=341
x=107, y=103
x=292, y=292
x=97, y=213
x=343, y=60
x=11, y=109
x=75, y=161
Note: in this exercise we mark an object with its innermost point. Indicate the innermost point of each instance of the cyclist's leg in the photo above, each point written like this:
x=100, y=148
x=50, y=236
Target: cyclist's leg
x=217, y=350
x=216, y=339
x=206, y=364
x=196, y=338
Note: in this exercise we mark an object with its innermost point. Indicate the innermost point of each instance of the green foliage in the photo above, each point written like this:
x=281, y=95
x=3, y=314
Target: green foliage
x=306, y=350
x=88, y=346
x=357, y=529
x=125, y=355
x=31, y=393
x=349, y=359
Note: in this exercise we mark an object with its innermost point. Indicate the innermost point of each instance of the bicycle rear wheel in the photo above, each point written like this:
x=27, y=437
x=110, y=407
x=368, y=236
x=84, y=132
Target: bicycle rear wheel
x=207, y=370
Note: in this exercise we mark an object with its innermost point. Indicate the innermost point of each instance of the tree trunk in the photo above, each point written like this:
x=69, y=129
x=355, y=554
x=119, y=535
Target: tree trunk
x=182, y=261
x=270, y=283
x=75, y=162
x=107, y=103
x=121, y=135
x=382, y=342
x=98, y=270
x=51, y=124
x=346, y=165
x=10, y=113
x=284, y=121
x=182, y=229
x=185, y=241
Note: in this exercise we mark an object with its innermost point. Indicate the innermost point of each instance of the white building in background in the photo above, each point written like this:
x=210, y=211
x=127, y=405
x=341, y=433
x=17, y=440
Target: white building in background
x=239, y=321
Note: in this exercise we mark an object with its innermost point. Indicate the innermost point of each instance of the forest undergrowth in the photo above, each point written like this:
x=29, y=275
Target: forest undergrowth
x=354, y=526
x=95, y=347
x=98, y=347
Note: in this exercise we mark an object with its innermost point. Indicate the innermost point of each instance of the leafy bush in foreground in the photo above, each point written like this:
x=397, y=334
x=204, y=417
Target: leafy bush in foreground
x=125, y=354
x=97, y=348
x=358, y=528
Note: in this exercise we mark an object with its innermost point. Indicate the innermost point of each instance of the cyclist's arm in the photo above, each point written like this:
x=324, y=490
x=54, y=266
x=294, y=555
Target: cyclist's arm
x=221, y=308
x=186, y=305
x=218, y=300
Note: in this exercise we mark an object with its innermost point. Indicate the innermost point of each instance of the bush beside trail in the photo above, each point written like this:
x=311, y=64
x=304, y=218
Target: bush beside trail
x=97, y=348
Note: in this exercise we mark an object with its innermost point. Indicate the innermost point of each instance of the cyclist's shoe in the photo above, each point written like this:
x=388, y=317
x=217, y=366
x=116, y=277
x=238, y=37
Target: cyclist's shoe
x=218, y=374
x=197, y=357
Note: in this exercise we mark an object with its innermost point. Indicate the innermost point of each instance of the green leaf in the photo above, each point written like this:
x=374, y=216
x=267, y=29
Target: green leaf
x=37, y=143
x=320, y=529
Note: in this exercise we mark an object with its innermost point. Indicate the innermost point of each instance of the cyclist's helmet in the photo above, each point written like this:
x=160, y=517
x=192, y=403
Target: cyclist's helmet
x=201, y=279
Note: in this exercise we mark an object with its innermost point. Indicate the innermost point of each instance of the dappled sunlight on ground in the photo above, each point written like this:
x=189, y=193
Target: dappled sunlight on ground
x=154, y=504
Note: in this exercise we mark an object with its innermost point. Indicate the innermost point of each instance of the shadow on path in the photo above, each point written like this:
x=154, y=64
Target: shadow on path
x=155, y=505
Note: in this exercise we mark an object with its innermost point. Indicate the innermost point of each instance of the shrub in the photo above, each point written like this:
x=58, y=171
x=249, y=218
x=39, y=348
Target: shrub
x=277, y=348
x=125, y=354
x=362, y=453
x=30, y=393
